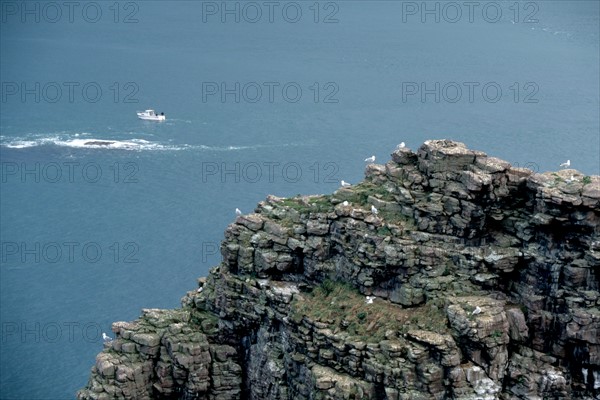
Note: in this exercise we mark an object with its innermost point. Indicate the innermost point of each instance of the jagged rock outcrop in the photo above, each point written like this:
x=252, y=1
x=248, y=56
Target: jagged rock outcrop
x=483, y=283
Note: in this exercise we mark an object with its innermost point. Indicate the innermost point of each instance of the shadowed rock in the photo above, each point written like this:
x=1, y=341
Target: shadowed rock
x=98, y=143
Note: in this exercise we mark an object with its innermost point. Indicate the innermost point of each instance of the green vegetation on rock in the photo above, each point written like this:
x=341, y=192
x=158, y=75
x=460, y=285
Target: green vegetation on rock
x=360, y=193
x=344, y=309
x=308, y=204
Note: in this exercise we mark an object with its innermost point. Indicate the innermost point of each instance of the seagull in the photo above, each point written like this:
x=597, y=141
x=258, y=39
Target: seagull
x=572, y=179
x=370, y=159
x=374, y=211
x=345, y=203
x=401, y=145
x=105, y=337
x=369, y=299
x=238, y=211
x=345, y=184
x=476, y=311
x=199, y=290
x=566, y=164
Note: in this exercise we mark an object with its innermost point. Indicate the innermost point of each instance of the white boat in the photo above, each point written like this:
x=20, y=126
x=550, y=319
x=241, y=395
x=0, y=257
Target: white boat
x=150, y=115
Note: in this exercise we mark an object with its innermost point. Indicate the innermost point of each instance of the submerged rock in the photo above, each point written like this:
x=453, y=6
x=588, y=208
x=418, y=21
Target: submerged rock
x=485, y=281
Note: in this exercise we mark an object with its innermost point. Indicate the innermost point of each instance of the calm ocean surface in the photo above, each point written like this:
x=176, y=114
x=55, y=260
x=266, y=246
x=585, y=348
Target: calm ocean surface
x=93, y=233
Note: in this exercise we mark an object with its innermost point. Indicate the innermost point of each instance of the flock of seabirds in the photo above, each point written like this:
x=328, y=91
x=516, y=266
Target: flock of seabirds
x=374, y=211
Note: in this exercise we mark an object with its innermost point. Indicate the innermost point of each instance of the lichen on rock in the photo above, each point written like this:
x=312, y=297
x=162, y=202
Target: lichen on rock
x=482, y=281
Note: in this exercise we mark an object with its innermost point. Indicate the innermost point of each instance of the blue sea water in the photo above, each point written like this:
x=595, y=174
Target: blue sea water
x=93, y=233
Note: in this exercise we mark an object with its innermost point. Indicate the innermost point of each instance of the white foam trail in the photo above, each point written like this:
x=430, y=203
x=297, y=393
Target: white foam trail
x=186, y=121
x=76, y=141
x=95, y=143
x=21, y=144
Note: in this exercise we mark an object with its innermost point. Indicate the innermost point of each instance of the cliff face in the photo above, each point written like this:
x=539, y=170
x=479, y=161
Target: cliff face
x=483, y=283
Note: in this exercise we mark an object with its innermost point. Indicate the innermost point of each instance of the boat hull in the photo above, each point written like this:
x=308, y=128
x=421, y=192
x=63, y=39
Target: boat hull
x=153, y=117
x=157, y=118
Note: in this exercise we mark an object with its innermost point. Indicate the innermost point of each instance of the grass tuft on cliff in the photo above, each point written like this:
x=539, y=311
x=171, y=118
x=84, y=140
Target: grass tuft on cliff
x=345, y=310
x=362, y=191
x=308, y=204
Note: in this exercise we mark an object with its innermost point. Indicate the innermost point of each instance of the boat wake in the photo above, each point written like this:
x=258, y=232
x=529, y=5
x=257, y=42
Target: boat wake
x=84, y=141
x=87, y=141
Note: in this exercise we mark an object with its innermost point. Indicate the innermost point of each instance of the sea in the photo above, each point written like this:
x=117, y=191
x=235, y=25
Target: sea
x=103, y=214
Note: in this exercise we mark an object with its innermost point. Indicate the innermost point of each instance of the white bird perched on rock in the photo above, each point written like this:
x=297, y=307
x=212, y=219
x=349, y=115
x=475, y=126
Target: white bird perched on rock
x=345, y=203
x=345, y=184
x=476, y=311
x=105, y=337
x=374, y=210
x=238, y=211
x=200, y=289
x=572, y=179
x=401, y=145
x=369, y=299
x=566, y=164
x=370, y=159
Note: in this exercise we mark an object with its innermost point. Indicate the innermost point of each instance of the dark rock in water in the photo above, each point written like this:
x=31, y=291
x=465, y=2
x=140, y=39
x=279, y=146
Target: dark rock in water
x=98, y=143
x=485, y=280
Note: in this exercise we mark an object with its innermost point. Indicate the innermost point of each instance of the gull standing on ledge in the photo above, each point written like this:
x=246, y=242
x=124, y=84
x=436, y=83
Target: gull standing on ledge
x=401, y=146
x=566, y=164
x=370, y=159
x=374, y=211
x=345, y=184
x=238, y=211
x=345, y=203
x=369, y=299
x=572, y=179
x=105, y=337
x=476, y=311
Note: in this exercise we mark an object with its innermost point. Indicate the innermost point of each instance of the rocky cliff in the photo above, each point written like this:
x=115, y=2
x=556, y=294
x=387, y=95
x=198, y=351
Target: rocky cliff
x=472, y=279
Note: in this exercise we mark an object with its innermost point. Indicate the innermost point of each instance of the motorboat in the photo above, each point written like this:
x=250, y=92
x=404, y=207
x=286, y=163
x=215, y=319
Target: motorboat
x=151, y=115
